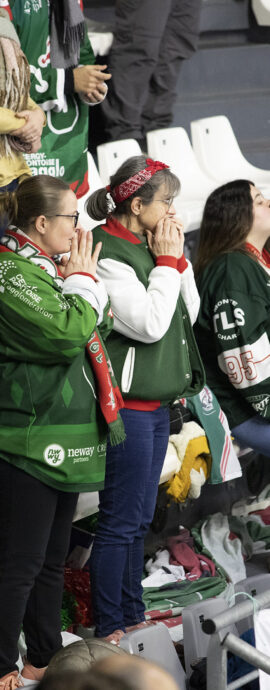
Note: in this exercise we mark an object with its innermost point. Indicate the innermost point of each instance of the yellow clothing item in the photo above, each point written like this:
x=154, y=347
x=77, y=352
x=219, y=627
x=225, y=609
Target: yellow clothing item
x=197, y=457
x=15, y=166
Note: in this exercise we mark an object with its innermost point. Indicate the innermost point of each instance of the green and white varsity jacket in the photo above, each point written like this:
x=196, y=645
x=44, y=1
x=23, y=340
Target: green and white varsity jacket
x=152, y=346
x=232, y=332
x=51, y=423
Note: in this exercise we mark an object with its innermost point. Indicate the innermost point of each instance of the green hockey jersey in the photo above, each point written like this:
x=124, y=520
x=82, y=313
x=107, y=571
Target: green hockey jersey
x=64, y=144
x=233, y=331
x=51, y=423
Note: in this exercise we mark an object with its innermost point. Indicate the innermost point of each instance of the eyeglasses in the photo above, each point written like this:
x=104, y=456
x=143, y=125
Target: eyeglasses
x=168, y=202
x=69, y=215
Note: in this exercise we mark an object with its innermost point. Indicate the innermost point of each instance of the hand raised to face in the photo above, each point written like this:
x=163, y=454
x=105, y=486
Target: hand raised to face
x=167, y=239
x=81, y=259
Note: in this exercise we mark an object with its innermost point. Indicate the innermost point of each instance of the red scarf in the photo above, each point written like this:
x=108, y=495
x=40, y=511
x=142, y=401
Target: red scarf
x=263, y=257
x=109, y=395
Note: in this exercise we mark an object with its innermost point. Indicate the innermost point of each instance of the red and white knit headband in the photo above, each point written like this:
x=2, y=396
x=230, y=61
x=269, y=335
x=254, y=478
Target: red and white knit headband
x=125, y=189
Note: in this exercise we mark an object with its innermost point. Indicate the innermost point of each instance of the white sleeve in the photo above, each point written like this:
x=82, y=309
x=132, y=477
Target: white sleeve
x=141, y=313
x=93, y=292
x=190, y=293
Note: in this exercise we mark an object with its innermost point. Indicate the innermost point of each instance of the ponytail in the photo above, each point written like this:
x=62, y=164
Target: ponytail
x=98, y=204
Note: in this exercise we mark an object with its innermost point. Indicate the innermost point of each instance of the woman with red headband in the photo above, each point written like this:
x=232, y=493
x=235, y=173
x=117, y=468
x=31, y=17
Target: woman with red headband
x=152, y=348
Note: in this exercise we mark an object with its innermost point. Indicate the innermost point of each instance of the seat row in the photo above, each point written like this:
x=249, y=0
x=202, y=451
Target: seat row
x=213, y=158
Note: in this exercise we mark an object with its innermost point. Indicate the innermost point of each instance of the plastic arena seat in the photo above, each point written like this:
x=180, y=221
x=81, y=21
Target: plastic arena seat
x=261, y=9
x=219, y=155
x=190, y=213
x=95, y=182
x=110, y=156
x=172, y=146
x=195, y=640
x=154, y=644
x=256, y=584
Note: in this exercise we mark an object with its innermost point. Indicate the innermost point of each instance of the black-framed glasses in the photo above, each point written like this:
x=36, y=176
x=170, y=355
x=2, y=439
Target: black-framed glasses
x=69, y=215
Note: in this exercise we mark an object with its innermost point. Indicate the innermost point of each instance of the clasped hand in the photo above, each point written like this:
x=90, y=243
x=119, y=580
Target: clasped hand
x=31, y=130
x=81, y=259
x=167, y=239
x=90, y=80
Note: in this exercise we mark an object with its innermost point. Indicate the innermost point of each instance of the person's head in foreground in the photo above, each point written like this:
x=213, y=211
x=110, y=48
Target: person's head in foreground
x=136, y=673
x=125, y=672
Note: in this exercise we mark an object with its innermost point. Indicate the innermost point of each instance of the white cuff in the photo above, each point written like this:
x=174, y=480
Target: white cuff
x=93, y=292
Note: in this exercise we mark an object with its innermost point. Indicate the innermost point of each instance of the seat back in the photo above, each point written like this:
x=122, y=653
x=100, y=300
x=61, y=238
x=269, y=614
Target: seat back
x=154, y=643
x=110, y=156
x=172, y=146
x=219, y=154
x=95, y=182
x=261, y=9
x=256, y=584
x=195, y=640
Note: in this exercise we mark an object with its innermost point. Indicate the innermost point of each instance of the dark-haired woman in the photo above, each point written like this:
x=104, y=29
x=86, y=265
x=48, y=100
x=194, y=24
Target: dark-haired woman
x=155, y=302
x=233, y=327
x=53, y=435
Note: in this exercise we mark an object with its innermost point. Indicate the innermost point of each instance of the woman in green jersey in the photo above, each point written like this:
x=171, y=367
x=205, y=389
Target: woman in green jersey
x=233, y=327
x=58, y=401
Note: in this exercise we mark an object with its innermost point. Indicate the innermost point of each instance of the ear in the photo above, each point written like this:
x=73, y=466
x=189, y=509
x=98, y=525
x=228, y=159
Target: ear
x=136, y=205
x=41, y=224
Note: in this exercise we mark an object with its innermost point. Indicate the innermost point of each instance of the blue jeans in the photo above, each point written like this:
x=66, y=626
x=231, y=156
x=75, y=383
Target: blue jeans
x=254, y=433
x=127, y=506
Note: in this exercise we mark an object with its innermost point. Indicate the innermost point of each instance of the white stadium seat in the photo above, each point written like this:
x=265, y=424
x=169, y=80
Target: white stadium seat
x=219, y=155
x=110, y=156
x=95, y=182
x=261, y=9
x=172, y=146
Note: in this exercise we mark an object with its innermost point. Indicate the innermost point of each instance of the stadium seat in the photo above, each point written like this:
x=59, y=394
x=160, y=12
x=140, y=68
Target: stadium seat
x=256, y=584
x=196, y=642
x=154, y=644
x=172, y=146
x=261, y=9
x=95, y=182
x=219, y=155
x=110, y=156
x=190, y=213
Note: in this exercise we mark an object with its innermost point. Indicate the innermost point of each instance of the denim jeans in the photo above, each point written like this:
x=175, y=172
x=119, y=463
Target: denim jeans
x=127, y=506
x=254, y=433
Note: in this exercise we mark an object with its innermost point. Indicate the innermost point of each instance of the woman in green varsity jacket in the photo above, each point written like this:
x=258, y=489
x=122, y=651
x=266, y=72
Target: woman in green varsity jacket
x=233, y=327
x=54, y=372
x=152, y=347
